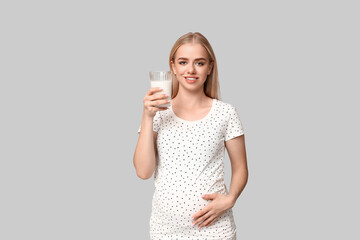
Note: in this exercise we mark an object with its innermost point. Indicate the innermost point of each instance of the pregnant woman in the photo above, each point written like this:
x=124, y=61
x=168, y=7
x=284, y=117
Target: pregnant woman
x=184, y=146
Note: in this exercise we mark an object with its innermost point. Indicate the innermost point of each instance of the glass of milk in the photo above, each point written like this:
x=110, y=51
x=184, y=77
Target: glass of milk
x=162, y=79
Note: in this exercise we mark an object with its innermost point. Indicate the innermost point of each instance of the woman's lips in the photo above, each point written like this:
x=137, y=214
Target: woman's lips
x=191, y=80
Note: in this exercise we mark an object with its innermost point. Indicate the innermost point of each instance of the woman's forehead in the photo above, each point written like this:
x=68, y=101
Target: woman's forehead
x=191, y=51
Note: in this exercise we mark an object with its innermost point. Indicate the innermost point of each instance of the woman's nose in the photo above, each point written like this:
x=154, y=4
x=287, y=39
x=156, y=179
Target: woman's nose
x=191, y=68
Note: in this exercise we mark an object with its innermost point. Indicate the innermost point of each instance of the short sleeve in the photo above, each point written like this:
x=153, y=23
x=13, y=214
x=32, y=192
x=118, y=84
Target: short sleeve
x=156, y=122
x=234, y=126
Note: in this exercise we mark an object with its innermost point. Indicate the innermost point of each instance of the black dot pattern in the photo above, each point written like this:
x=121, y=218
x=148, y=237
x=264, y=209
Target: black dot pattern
x=191, y=163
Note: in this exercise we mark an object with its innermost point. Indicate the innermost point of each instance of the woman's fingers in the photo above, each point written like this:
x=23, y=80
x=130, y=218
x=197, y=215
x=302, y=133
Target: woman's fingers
x=162, y=108
x=208, y=224
x=158, y=96
x=153, y=90
x=158, y=102
x=152, y=100
x=202, y=217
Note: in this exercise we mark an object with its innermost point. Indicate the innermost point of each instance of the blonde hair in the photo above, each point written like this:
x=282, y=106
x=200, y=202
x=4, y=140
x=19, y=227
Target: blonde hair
x=211, y=85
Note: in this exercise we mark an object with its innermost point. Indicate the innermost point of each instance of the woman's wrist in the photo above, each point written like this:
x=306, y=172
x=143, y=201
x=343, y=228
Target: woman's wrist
x=232, y=199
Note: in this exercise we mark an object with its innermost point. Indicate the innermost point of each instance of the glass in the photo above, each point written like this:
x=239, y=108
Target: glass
x=162, y=79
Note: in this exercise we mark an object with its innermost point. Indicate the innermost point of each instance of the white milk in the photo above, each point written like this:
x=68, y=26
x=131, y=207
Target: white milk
x=166, y=85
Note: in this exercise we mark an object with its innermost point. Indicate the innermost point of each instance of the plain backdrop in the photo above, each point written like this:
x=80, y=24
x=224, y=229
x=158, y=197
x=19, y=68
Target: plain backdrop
x=74, y=73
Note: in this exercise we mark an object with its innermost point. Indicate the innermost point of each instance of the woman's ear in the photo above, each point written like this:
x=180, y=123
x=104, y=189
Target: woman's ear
x=210, y=67
x=173, y=67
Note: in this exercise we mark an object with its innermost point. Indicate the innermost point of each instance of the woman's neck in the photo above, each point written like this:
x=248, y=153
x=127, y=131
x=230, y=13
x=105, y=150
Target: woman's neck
x=190, y=101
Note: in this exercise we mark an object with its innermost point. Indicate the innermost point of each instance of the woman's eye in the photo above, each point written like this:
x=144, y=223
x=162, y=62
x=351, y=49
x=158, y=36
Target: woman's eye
x=198, y=63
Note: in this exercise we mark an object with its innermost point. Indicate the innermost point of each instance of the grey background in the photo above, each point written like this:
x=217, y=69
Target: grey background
x=73, y=75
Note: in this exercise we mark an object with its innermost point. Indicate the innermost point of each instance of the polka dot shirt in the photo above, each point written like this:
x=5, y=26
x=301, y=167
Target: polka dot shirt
x=190, y=163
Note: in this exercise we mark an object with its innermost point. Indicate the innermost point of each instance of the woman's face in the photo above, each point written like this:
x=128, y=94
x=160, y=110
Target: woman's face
x=191, y=65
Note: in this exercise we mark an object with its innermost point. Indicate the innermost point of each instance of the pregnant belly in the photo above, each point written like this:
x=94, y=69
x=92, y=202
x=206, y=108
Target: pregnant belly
x=172, y=212
x=180, y=204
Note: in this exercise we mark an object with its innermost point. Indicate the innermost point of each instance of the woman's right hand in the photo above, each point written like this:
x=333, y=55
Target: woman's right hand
x=151, y=99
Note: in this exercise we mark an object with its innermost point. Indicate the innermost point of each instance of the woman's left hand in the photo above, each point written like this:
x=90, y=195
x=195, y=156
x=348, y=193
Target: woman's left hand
x=211, y=212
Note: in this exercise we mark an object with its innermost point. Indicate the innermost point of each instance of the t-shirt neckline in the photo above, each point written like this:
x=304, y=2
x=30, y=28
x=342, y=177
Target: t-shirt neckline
x=196, y=121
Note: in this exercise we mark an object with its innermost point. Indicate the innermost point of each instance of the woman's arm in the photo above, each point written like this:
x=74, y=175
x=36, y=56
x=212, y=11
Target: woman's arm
x=146, y=152
x=222, y=202
x=239, y=171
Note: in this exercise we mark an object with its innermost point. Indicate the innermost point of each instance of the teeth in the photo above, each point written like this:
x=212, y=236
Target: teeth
x=191, y=78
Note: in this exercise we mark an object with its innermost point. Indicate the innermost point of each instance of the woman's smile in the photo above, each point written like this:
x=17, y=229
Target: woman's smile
x=191, y=79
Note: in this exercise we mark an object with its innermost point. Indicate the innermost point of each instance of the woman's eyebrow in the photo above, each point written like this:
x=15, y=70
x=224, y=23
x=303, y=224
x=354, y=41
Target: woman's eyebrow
x=182, y=58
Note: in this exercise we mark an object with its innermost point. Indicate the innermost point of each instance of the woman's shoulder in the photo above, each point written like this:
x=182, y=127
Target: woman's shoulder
x=224, y=105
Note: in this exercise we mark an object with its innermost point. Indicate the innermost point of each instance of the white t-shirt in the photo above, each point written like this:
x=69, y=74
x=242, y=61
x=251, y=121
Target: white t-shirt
x=190, y=163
